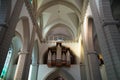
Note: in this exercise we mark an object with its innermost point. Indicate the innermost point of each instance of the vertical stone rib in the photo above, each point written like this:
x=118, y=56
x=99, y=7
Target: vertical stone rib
x=105, y=37
x=20, y=66
x=11, y=24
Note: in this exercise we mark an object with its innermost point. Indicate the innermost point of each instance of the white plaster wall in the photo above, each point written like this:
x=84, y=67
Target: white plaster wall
x=44, y=71
x=75, y=47
x=19, y=28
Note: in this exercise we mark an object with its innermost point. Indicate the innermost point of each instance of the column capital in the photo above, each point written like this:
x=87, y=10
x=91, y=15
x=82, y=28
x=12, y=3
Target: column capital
x=23, y=52
x=92, y=52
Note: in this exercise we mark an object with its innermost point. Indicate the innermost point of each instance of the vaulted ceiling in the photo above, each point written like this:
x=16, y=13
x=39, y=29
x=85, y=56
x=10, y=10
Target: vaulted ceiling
x=59, y=19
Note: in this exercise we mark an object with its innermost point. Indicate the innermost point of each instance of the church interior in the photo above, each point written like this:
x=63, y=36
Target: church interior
x=59, y=39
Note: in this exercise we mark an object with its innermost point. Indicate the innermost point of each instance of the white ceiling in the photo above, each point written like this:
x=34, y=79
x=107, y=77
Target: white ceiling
x=60, y=14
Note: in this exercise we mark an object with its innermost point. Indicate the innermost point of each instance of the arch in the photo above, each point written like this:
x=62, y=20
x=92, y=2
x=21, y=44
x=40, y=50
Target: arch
x=59, y=73
x=17, y=45
x=26, y=32
x=18, y=34
x=55, y=2
x=49, y=26
x=65, y=26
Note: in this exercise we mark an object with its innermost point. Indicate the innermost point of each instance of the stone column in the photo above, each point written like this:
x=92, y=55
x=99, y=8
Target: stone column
x=94, y=66
x=20, y=65
x=112, y=36
x=3, y=53
x=26, y=67
x=6, y=37
x=3, y=28
x=108, y=36
x=3, y=11
x=33, y=72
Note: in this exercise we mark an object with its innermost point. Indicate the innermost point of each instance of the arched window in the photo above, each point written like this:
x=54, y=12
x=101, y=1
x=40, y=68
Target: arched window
x=7, y=61
x=59, y=74
x=31, y=1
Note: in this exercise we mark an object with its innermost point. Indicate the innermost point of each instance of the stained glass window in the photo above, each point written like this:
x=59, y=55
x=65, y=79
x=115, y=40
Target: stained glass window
x=30, y=1
x=7, y=62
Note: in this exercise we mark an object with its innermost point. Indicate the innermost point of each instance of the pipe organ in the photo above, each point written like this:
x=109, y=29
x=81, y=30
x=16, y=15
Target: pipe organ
x=60, y=56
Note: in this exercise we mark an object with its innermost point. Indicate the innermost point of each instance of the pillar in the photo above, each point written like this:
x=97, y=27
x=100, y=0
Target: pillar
x=8, y=33
x=20, y=65
x=112, y=36
x=3, y=28
x=108, y=36
x=3, y=49
x=94, y=66
x=26, y=68
x=33, y=72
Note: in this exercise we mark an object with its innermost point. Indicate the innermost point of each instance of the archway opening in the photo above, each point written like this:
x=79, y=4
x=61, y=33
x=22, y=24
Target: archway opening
x=59, y=74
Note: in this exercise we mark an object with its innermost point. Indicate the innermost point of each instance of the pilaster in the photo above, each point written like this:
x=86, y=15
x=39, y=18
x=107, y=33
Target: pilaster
x=8, y=31
x=112, y=35
x=20, y=65
x=108, y=37
x=33, y=72
x=94, y=66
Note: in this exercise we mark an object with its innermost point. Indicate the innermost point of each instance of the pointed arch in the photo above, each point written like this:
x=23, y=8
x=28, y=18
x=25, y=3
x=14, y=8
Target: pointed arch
x=71, y=32
x=59, y=73
x=26, y=32
x=56, y=2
